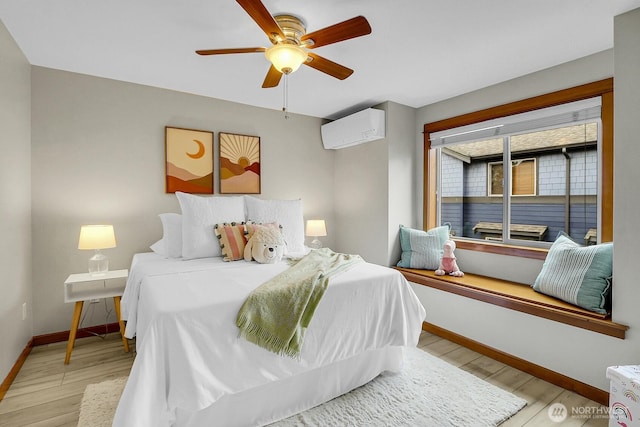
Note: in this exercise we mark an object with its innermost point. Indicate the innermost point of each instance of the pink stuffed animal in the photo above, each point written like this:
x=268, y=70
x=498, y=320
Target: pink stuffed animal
x=448, y=263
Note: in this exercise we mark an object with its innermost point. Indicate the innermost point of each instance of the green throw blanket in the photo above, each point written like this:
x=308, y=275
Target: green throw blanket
x=277, y=313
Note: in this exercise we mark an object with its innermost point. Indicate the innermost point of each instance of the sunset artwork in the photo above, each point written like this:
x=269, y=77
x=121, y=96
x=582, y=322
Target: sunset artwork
x=239, y=164
x=189, y=160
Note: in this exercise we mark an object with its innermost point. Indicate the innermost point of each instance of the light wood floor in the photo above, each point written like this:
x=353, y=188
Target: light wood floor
x=48, y=393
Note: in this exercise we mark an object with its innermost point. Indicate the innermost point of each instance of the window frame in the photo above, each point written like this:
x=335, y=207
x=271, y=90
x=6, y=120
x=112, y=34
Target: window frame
x=602, y=88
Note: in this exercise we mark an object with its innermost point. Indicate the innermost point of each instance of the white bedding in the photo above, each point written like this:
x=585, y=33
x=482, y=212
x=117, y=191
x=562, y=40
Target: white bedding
x=189, y=357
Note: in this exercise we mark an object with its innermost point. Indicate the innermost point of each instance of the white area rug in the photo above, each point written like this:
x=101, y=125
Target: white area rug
x=428, y=392
x=99, y=403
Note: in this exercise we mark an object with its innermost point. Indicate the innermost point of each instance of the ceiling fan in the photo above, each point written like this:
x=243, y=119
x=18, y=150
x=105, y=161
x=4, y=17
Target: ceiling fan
x=291, y=43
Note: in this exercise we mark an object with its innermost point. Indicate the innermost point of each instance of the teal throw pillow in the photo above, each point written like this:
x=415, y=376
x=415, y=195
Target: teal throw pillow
x=580, y=275
x=422, y=249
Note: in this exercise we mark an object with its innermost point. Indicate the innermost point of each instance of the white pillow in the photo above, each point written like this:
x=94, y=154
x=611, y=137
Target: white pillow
x=170, y=245
x=287, y=213
x=172, y=234
x=199, y=216
x=158, y=247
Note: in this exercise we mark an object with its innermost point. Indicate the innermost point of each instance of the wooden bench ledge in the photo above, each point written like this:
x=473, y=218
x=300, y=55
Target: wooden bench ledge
x=516, y=296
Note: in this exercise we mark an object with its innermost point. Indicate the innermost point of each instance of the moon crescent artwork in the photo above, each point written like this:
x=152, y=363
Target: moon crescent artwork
x=189, y=160
x=200, y=151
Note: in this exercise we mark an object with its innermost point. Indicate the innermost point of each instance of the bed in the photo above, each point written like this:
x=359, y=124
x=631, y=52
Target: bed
x=192, y=369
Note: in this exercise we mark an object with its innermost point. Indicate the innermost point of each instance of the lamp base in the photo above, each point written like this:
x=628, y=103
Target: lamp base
x=315, y=244
x=98, y=264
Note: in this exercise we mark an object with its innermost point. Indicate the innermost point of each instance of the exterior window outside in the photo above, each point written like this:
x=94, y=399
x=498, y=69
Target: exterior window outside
x=552, y=184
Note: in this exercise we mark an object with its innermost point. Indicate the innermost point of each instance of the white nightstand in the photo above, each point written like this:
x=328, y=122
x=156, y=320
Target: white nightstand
x=82, y=287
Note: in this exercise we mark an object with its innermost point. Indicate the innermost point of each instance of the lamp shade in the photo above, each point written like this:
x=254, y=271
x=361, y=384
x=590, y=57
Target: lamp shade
x=96, y=237
x=316, y=227
x=286, y=58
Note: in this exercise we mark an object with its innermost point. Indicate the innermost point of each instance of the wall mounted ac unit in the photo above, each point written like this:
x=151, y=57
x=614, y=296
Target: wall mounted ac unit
x=363, y=126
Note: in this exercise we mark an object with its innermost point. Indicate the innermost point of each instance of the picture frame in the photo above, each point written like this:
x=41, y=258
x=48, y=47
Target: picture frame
x=239, y=163
x=188, y=160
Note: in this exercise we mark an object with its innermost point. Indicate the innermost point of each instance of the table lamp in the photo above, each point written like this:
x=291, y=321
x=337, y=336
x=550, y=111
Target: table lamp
x=97, y=237
x=316, y=228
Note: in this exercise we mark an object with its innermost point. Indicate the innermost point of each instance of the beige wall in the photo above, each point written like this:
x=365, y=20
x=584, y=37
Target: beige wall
x=402, y=175
x=360, y=187
x=574, y=352
x=15, y=208
x=374, y=188
x=98, y=156
x=626, y=292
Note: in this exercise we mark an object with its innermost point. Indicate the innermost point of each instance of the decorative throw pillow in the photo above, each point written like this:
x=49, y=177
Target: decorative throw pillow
x=287, y=213
x=577, y=274
x=422, y=249
x=199, y=215
x=233, y=239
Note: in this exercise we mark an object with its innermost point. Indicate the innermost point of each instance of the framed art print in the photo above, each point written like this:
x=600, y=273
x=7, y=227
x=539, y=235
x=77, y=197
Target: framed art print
x=239, y=164
x=189, y=160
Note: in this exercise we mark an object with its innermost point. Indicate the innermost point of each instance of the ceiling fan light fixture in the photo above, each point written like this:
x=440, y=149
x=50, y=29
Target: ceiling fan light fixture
x=286, y=57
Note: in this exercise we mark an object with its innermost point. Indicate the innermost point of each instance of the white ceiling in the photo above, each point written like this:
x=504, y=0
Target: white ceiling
x=419, y=51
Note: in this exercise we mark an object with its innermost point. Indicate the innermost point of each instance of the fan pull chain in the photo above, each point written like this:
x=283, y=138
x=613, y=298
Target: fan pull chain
x=285, y=94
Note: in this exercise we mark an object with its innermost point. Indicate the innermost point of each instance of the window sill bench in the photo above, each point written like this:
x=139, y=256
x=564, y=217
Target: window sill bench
x=516, y=296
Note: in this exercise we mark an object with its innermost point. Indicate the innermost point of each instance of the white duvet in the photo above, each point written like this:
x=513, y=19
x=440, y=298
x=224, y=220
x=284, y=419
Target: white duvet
x=188, y=355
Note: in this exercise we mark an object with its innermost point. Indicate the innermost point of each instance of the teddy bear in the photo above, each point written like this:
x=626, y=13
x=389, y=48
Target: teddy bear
x=266, y=246
x=448, y=264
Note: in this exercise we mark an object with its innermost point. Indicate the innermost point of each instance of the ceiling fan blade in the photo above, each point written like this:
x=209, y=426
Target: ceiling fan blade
x=349, y=29
x=226, y=51
x=263, y=18
x=273, y=78
x=328, y=67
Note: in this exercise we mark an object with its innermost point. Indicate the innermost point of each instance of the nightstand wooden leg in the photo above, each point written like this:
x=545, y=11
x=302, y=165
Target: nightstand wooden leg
x=116, y=304
x=77, y=312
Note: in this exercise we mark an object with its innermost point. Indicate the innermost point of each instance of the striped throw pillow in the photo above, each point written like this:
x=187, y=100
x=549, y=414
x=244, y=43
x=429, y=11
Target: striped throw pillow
x=232, y=238
x=422, y=249
x=580, y=275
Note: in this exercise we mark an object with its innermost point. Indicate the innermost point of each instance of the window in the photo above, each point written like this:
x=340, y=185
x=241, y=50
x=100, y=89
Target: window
x=559, y=147
x=523, y=178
